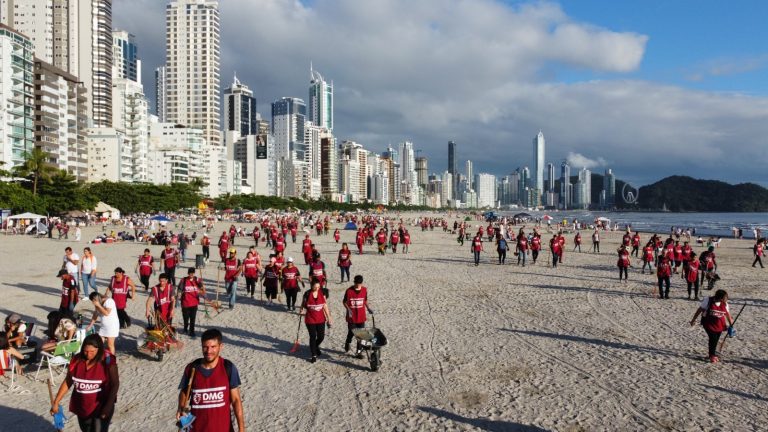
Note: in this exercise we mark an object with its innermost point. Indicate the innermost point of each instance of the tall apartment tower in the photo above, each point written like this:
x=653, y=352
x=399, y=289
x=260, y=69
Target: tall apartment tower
x=452, y=168
x=125, y=57
x=538, y=163
x=240, y=109
x=289, y=116
x=192, y=66
x=75, y=36
x=320, y=100
x=16, y=97
x=470, y=177
x=566, y=188
x=160, y=94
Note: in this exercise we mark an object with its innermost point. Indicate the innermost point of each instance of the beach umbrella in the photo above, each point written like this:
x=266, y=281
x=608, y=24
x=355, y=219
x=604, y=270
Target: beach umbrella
x=547, y=217
x=160, y=218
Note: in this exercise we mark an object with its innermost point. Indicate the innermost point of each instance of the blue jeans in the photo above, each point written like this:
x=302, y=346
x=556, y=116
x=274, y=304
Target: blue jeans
x=88, y=281
x=231, y=288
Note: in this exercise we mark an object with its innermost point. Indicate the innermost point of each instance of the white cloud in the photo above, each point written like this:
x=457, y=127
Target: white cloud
x=578, y=161
x=475, y=71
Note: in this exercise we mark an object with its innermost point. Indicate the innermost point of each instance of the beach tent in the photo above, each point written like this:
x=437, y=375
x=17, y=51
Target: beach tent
x=107, y=210
x=41, y=227
x=160, y=218
x=28, y=215
x=350, y=226
x=522, y=216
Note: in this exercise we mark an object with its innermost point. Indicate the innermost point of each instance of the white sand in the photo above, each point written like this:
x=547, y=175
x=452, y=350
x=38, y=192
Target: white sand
x=488, y=347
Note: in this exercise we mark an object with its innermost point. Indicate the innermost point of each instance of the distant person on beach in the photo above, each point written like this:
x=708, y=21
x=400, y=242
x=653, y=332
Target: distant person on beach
x=477, y=247
x=596, y=241
x=145, y=267
x=170, y=258
x=88, y=269
x=232, y=269
x=554, y=248
x=663, y=273
x=716, y=318
x=692, y=275
x=270, y=280
x=648, y=256
x=316, y=317
x=758, y=250
x=708, y=264
x=291, y=278
x=69, y=294
x=623, y=263
x=211, y=385
x=190, y=290
x=344, y=261
x=122, y=288
x=577, y=241
x=502, y=248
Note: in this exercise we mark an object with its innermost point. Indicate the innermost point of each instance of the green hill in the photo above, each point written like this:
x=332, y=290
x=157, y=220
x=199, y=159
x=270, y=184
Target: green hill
x=686, y=194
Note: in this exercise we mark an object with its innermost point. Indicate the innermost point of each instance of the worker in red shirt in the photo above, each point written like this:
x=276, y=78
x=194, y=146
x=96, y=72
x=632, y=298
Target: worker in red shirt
x=291, y=278
x=477, y=247
x=355, y=302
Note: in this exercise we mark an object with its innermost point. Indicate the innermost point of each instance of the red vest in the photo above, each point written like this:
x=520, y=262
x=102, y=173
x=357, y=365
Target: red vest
x=317, y=268
x=314, y=307
x=169, y=258
x=714, y=318
x=291, y=278
x=693, y=270
x=250, y=269
x=648, y=254
x=90, y=386
x=279, y=245
x=395, y=238
x=190, y=292
x=381, y=238
x=356, y=301
x=522, y=244
x=477, y=245
x=271, y=274
x=210, y=401
x=230, y=269
x=664, y=269
x=336, y=235
x=66, y=288
x=145, y=265
x=119, y=291
x=344, y=260
x=407, y=238
x=306, y=246
x=623, y=259
x=536, y=243
x=163, y=300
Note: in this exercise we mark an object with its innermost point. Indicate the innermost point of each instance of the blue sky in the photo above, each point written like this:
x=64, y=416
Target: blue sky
x=704, y=44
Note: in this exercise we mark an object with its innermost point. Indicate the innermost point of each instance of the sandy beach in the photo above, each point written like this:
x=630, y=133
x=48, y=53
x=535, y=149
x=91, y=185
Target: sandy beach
x=499, y=348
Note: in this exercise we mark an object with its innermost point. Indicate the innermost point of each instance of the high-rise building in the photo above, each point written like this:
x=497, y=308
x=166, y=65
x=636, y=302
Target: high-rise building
x=289, y=117
x=446, y=196
x=470, y=177
x=125, y=57
x=329, y=167
x=550, y=177
x=240, y=109
x=61, y=117
x=486, y=190
x=176, y=154
x=16, y=97
x=253, y=153
x=452, y=167
x=566, y=188
x=609, y=188
x=421, y=172
x=160, y=94
x=75, y=36
x=320, y=100
x=538, y=163
x=192, y=67
x=131, y=117
x=523, y=185
x=33, y=18
x=409, y=183
x=582, y=191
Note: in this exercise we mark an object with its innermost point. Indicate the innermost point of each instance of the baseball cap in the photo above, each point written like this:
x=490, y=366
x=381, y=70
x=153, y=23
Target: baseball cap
x=13, y=318
x=290, y=259
x=232, y=250
x=61, y=273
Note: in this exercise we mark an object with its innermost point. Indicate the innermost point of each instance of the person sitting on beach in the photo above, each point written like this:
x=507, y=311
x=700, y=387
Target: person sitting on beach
x=60, y=328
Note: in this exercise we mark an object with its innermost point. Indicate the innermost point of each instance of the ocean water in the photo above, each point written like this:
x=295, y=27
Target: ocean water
x=706, y=224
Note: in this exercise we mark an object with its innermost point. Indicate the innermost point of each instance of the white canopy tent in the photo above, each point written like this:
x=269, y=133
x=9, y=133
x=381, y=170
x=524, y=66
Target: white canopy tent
x=40, y=226
x=107, y=210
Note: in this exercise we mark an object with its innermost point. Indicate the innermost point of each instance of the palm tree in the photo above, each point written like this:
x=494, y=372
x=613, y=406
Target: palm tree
x=36, y=166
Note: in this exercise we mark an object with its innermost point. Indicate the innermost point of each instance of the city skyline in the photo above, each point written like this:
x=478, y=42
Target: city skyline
x=595, y=84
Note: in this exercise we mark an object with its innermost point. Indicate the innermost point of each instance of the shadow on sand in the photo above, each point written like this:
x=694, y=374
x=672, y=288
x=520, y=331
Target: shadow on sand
x=480, y=423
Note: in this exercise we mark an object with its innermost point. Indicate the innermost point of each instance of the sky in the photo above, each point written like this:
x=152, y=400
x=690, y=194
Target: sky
x=648, y=88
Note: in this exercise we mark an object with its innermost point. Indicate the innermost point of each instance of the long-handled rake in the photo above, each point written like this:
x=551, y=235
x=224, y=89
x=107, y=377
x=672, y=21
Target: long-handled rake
x=295, y=346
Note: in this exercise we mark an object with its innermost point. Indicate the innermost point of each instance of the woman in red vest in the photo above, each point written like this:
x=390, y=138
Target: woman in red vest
x=317, y=315
x=692, y=275
x=714, y=311
x=623, y=263
x=190, y=290
x=163, y=299
x=93, y=375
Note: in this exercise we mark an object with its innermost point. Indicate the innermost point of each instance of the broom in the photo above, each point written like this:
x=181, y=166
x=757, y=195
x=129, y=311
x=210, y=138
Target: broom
x=295, y=346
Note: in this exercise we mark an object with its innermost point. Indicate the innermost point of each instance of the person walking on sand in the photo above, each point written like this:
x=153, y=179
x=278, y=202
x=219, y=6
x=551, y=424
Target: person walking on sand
x=170, y=258
x=596, y=241
x=406, y=242
x=521, y=247
x=106, y=311
x=291, y=276
x=211, y=385
x=577, y=242
x=270, y=280
x=232, y=269
x=355, y=302
x=692, y=275
x=93, y=375
x=716, y=318
x=336, y=235
x=122, y=289
x=316, y=317
x=648, y=257
x=223, y=245
x=69, y=296
x=535, y=246
x=554, y=247
x=501, y=248
x=145, y=267
x=251, y=267
x=477, y=247
x=88, y=268
x=161, y=301
x=663, y=273
x=758, y=251
x=190, y=290
x=71, y=263
x=344, y=261
x=205, y=242
x=623, y=263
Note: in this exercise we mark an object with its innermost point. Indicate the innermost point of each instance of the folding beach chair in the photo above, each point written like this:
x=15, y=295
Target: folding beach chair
x=9, y=362
x=59, y=358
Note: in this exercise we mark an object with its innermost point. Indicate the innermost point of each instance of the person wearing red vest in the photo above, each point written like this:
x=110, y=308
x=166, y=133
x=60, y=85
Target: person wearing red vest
x=336, y=235
x=522, y=247
x=306, y=249
x=122, y=289
x=577, y=242
x=636, y=244
x=623, y=263
x=677, y=251
x=232, y=269
x=554, y=247
x=190, y=290
x=93, y=375
x=170, y=258
x=708, y=264
x=381, y=241
x=270, y=280
x=648, y=257
x=477, y=247
x=663, y=272
x=145, y=267
x=561, y=240
x=205, y=242
x=69, y=297
x=394, y=240
x=223, y=245
x=291, y=278
x=316, y=317
x=161, y=300
x=406, y=241
x=211, y=385
x=280, y=244
x=359, y=241
x=251, y=267
x=256, y=235
x=716, y=318
x=294, y=231
x=355, y=301
x=317, y=273
x=692, y=275
x=757, y=250
x=344, y=261
x=535, y=246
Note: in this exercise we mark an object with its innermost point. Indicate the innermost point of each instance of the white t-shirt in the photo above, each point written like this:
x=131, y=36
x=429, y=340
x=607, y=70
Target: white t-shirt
x=110, y=325
x=71, y=268
x=89, y=264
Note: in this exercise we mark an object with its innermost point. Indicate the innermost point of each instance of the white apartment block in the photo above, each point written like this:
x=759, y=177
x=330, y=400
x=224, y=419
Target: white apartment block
x=16, y=97
x=192, y=66
x=33, y=18
x=130, y=110
x=485, y=186
x=176, y=154
x=107, y=156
